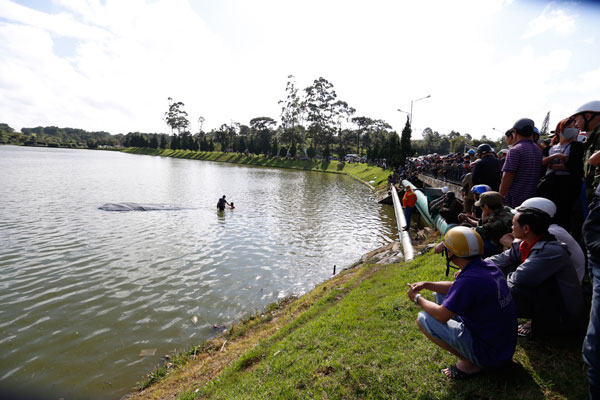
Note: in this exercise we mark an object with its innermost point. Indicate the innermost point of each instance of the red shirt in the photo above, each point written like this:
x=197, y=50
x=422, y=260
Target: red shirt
x=524, y=248
x=409, y=199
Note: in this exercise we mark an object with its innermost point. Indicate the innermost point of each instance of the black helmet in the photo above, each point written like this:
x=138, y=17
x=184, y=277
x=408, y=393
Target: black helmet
x=484, y=148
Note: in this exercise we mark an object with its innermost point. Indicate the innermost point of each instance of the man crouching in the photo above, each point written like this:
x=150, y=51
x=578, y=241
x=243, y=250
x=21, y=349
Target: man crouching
x=473, y=317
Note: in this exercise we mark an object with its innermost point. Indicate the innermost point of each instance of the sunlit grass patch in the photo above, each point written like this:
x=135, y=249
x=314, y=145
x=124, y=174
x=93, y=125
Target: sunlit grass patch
x=363, y=343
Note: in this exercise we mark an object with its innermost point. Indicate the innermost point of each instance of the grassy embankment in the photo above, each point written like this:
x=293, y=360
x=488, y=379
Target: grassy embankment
x=354, y=337
x=366, y=173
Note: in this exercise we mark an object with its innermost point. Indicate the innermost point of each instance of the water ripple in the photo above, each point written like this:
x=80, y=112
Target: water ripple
x=85, y=291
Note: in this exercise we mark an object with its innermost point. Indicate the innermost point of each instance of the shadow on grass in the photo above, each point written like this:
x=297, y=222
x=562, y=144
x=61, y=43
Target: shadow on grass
x=512, y=381
x=558, y=362
x=324, y=165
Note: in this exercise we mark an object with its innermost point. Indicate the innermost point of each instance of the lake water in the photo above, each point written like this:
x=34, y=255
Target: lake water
x=85, y=293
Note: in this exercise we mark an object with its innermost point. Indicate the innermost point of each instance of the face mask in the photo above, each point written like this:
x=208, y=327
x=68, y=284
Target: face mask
x=570, y=133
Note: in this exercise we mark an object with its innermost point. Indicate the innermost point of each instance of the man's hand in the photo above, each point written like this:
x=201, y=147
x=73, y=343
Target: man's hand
x=411, y=293
x=560, y=156
x=484, y=218
x=438, y=248
x=417, y=287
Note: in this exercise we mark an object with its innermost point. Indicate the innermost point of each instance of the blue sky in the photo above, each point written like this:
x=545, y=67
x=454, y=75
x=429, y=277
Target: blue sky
x=111, y=65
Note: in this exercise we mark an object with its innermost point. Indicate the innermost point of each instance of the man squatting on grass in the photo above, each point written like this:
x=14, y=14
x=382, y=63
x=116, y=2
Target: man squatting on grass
x=473, y=317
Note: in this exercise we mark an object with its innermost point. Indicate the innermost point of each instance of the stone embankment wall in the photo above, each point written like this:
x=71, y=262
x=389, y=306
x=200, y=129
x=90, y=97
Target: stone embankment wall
x=433, y=182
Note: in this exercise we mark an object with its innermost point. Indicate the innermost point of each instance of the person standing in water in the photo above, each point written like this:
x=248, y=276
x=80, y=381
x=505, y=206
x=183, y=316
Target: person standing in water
x=221, y=204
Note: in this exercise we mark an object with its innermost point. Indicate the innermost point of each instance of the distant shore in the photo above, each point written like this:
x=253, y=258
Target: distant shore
x=372, y=176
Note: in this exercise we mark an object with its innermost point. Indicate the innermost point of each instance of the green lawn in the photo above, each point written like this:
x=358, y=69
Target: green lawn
x=360, y=341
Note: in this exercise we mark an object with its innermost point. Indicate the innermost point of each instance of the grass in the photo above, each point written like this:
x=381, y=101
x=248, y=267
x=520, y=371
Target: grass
x=376, y=176
x=355, y=337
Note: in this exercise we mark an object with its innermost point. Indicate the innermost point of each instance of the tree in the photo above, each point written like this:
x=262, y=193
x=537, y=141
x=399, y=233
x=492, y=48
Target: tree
x=293, y=150
x=453, y=134
x=544, y=131
x=176, y=118
x=154, y=142
x=292, y=107
x=221, y=136
x=457, y=144
x=5, y=133
x=92, y=144
x=364, y=125
x=262, y=133
x=163, y=142
x=200, y=124
x=175, y=143
x=320, y=100
x=405, y=144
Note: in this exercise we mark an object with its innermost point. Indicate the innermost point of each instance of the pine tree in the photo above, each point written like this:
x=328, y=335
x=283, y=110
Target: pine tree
x=405, y=144
x=544, y=130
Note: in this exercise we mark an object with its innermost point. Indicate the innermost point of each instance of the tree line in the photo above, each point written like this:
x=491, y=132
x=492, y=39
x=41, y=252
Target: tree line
x=313, y=122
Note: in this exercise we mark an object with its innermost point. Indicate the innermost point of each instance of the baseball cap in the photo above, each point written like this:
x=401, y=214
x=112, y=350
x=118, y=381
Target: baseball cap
x=491, y=199
x=522, y=123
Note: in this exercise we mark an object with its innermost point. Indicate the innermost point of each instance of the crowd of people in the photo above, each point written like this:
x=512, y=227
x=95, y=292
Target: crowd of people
x=528, y=226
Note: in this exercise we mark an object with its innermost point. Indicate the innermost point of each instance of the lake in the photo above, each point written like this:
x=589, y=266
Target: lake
x=92, y=300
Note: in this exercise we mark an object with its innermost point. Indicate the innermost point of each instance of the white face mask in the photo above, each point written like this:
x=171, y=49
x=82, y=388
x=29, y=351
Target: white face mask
x=570, y=133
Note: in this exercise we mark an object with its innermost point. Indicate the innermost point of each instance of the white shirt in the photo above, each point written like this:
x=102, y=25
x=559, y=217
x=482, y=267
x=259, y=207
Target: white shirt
x=577, y=256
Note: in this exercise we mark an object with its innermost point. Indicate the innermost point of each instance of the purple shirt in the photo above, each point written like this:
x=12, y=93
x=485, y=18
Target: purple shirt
x=481, y=299
x=525, y=160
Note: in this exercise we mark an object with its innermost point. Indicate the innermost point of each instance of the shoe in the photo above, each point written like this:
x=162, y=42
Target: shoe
x=524, y=330
x=457, y=374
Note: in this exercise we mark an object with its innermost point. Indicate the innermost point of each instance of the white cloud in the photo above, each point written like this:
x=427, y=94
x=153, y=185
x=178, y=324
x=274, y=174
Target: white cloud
x=59, y=24
x=131, y=55
x=121, y=75
x=554, y=19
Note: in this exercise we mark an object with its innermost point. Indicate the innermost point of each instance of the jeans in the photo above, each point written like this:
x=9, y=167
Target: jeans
x=453, y=332
x=591, y=344
x=407, y=215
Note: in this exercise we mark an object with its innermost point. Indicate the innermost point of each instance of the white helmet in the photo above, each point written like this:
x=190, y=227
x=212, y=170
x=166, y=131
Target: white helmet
x=591, y=106
x=539, y=203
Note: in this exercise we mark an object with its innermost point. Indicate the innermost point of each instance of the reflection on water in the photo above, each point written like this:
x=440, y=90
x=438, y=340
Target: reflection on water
x=85, y=293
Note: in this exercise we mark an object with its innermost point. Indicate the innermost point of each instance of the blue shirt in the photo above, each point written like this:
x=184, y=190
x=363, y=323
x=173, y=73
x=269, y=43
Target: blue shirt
x=481, y=299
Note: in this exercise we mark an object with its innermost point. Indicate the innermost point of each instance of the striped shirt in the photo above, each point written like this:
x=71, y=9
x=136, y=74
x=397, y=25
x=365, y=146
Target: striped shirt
x=525, y=160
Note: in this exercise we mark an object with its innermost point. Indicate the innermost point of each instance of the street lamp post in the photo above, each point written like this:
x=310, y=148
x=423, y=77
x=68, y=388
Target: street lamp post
x=410, y=114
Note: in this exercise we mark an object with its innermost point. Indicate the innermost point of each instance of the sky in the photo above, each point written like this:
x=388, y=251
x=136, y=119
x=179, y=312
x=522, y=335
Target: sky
x=111, y=65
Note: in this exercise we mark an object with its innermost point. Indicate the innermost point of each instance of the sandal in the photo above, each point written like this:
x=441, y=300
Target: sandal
x=457, y=374
x=524, y=330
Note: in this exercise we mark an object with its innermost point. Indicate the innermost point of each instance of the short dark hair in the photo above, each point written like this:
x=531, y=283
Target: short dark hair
x=495, y=207
x=537, y=221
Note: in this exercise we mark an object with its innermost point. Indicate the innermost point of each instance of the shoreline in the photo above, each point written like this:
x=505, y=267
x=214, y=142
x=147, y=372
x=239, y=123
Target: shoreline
x=205, y=361
x=214, y=355
x=357, y=171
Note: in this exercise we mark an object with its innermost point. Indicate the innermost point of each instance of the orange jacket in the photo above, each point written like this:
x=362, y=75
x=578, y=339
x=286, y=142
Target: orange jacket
x=409, y=199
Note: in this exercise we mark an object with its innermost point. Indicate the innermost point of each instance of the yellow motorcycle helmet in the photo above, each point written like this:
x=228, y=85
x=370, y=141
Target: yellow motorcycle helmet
x=463, y=242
